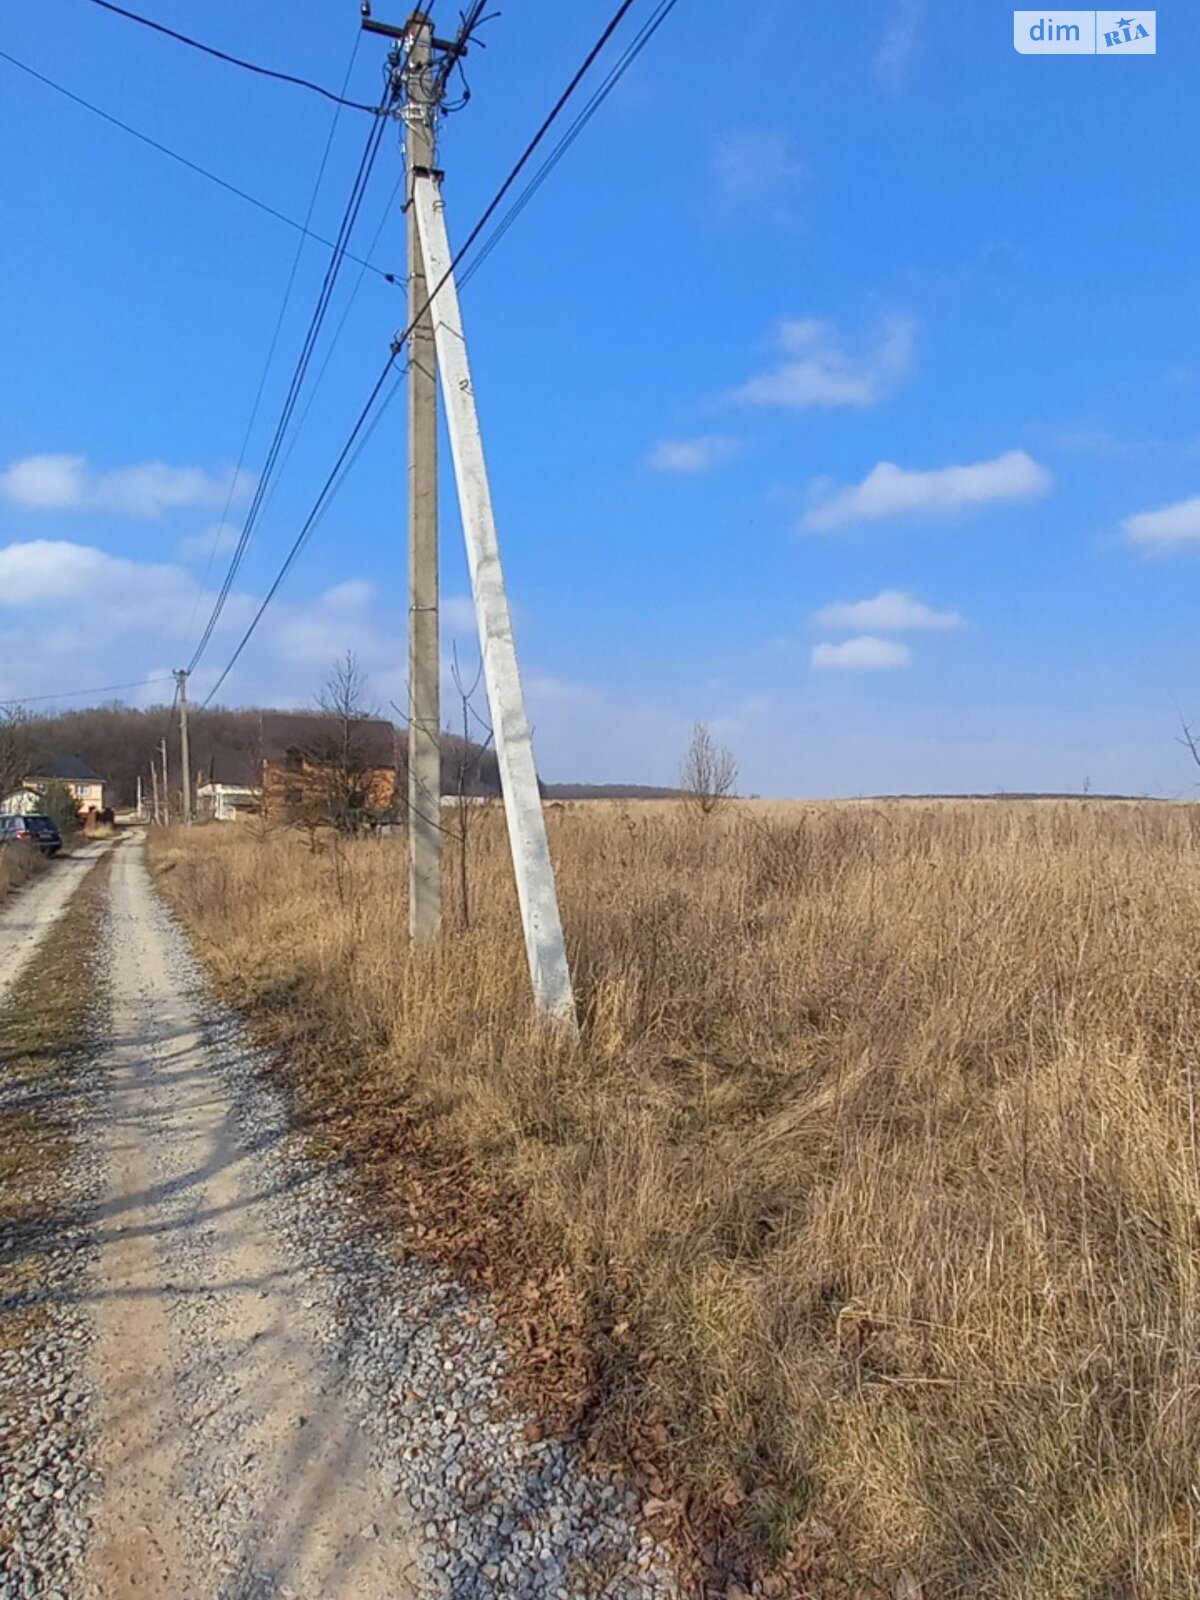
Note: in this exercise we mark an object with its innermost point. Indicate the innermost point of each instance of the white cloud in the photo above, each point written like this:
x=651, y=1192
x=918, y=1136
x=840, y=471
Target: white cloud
x=74, y=615
x=145, y=595
x=314, y=634
x=584, y=733
x=692, y=455
x=1166, y=528
x=892, y=491
x=893, y=59
x=46, y=482
x=745, y=716
x=458, y=614
x=218, y=539
x=66, y=607
x=145, y=490
x=353, y=594
x=1090, y=441
x=819, y=370
x=891, y=611
x=757, y=169
x=863, y=654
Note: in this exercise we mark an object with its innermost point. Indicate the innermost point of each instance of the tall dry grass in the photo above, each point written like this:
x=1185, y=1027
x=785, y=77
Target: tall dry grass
x=18, y=864
x=882, y=1136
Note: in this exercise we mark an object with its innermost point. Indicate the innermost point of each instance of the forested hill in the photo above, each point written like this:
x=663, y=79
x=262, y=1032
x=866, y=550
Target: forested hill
x=120, y=742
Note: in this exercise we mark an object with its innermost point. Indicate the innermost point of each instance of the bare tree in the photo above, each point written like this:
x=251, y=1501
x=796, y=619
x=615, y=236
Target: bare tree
x=16, y=747
x=59, y=804
x=708, y=776
x=344, y=765
x=1189, y=740
x=468, y=771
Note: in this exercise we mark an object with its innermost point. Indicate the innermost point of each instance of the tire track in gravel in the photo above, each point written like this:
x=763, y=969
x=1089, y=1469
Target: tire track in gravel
x=284, y=1409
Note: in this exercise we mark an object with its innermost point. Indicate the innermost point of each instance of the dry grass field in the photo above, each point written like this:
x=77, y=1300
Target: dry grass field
x=874, y=1172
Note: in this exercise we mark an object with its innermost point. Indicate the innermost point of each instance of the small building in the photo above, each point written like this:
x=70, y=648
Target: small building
x=87, y=786
x=227, y=802
x=284, y=772
x=301, y=766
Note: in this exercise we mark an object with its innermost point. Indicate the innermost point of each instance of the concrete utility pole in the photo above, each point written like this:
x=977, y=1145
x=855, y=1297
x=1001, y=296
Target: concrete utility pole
x=139, y=798
x=445, y=355
x=544, y=943
x=166, y=782
x=185, y=757
x=154, y=790
x=424, y=654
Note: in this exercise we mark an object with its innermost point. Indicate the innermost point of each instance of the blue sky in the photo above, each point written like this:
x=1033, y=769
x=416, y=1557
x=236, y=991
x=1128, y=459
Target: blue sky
x=840, y=389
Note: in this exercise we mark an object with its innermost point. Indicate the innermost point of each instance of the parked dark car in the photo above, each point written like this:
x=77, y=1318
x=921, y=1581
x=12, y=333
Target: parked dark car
x=31, y=828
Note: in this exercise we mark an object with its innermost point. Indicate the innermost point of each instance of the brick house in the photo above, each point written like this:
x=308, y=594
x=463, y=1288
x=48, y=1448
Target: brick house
x=292, y=767
x=291, y=760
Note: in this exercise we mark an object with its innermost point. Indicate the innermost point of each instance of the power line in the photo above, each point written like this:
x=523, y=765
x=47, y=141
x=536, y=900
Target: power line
x=329, y=349
x=618, y=71
x=78, y=694
x=349, y=217
x=527, y=154
x=330, y=487
x=235, y=61
x=470, y=20
x=320, y=506
x=287, y=295
x=301, y=368
x=192, y=166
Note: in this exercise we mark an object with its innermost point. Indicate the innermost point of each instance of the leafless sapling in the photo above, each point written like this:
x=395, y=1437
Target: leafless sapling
x=708, y=776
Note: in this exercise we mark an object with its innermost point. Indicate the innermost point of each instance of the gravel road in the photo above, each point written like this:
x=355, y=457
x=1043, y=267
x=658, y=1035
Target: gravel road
x=34, y=910
x=269, y=1404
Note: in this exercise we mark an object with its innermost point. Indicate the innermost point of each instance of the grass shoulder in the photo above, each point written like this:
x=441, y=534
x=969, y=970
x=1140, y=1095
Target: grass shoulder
x=19, y=864
x=46, y=1022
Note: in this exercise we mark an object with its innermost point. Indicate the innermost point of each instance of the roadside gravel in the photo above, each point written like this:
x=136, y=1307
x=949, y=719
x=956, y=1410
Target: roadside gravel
x=281, y=1409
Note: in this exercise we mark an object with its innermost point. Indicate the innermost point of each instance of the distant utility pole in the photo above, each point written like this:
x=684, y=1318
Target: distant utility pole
x=424, y=653
x=185, y=758
x=166, y=782
x=139, y=797
x=154, y=791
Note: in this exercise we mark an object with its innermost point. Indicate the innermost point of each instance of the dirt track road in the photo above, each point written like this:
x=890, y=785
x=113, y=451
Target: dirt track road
x=248, y=1393
x=231, y=1461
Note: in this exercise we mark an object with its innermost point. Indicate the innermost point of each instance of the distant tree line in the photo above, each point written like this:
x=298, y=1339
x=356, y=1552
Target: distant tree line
x=120, y=742
x=608, y=791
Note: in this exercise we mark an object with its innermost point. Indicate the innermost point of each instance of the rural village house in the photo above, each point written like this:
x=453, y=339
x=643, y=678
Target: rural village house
x=87, y=786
